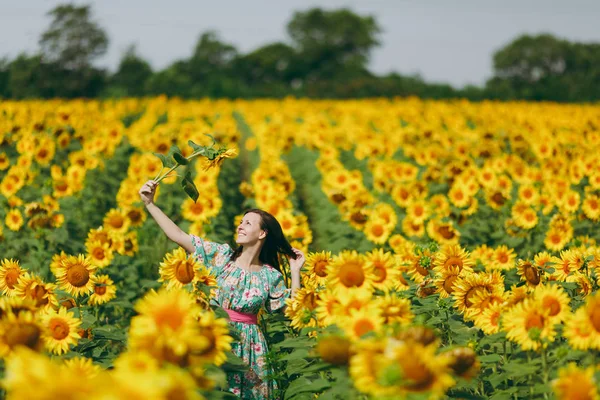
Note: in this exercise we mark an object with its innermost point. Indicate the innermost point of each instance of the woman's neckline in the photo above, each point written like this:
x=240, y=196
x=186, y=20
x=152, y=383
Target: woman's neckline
x=245, y=270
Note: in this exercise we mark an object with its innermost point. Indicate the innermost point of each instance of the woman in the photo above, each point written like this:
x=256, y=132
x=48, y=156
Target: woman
x=248, y=278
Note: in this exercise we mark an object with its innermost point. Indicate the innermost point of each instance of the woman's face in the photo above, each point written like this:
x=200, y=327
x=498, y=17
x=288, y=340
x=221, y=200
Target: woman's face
x=249, y=230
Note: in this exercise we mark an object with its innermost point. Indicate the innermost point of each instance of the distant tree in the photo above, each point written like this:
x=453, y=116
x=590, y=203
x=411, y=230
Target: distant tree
x=333, y=44
x=544, y=67
x=132, y=74
x=172, y=81
x=272, y=63
x=4, y=77
x=73, y=40
x=26, y=77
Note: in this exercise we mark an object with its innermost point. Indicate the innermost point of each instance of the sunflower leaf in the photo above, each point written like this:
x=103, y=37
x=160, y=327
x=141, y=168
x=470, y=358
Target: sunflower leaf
x=190, y=187
x=180, y=159
x=167, y=162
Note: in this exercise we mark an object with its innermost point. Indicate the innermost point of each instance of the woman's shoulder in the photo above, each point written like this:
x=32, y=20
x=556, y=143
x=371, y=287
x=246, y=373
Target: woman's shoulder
x=272, y=272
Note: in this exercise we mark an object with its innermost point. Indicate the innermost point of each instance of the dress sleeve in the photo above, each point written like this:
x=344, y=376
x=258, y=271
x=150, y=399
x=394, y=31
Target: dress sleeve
x=213, y=255
x=278, y=292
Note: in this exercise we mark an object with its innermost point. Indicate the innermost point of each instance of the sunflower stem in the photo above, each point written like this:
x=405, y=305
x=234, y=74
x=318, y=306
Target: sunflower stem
x=545, y=367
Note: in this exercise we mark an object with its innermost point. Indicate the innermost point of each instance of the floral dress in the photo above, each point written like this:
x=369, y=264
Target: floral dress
x=246, y=292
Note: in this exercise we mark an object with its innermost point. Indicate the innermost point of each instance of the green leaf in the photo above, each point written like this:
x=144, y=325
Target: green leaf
x=303, y=385
x=105, y=333
x=167, y=162
x=490, y=358
x=234, y=363
x=180, y=159
x=189, y=187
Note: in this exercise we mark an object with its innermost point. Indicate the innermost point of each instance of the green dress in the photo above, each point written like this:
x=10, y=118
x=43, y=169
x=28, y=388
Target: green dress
x=246, y=292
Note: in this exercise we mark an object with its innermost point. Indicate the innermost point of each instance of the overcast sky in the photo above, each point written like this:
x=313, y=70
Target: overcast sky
x=442, y=40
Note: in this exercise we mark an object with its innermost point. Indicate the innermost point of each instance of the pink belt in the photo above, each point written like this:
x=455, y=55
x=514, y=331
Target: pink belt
x=245, y=318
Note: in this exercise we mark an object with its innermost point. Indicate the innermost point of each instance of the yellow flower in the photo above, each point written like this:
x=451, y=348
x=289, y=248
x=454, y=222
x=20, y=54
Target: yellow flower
x=136, y=216
x=104, y=290
x=575, y=383
x=555, y=300
x=22, y=329
x=580, y=331
x=10, y=271
x=503, y=258
x=334, y=349
x=301, y=309
x=218, y=160
x=360, y=322
x=128, y=246
x=14, y=220
x=100, y=254
x=76, y=275
x=591, y=207
x=167, y=326
x=349, y=270
x=32, y=287
x=315, y=268
x=463, y=362
x=528, y=324
x=383, y=266
x=529, y=273
x=60, y=330
x=82, y=367
x=394, y=309
x=216, y=331
x=178, y=269
x=489, y=319
x=116, y=220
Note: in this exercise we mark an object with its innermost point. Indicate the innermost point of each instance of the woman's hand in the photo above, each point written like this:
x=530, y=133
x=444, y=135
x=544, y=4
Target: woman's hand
x=297, y=264
x=147, y=192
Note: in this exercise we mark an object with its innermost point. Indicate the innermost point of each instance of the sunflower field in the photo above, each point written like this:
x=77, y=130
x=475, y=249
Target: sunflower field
x=452, y=247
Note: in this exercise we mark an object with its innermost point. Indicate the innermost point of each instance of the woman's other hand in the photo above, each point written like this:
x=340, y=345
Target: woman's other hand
x=297, y=263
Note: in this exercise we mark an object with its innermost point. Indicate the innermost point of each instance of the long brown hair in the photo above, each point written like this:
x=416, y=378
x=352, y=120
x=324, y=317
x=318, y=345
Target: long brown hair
x=275, y=242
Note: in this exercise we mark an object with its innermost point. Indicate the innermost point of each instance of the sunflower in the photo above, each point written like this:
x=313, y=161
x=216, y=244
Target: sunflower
x=366, y=367
x=100, y=254
x=442, y=232
x=104, y=290
x=467, y=286
x=82, y=367
x=216, y=330
x=459, y=195
x=177, y=269
x=167, y=326
x=570, y=202
x=195, y=211
x=453, y=256
x=33, y=287
x=10, y=271
x=591, y=207
x=554, y=299
x=327, y=308
x=4, y=161
x=526, y=218
x=463, y=362
x=377, y=230
x=580, y=332
x=14, y=220
x=218, y=160
x=315, y=268
x=363, y=321
x=128, y=246
x=334, y=349
x=529, y=272
x=529, y=194
x=101, y=235
x=22, y=329
x=116, y=220
x=444, y=280
x=411, y=228
x=301, y=309
x=483, y=254
x=418, y=212
x=575, y=383
x=349, y=270
x=394, y=309
x=76, y=275
x=556, y=239
x=528, y=324
x=60, y=330
x=489, y=319
x=503, y=258
x=136, y=216
x=383, y=265
x=45, y=153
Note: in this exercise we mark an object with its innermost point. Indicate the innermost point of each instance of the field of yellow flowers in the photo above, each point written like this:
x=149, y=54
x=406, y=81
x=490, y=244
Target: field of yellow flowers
x=452, y=247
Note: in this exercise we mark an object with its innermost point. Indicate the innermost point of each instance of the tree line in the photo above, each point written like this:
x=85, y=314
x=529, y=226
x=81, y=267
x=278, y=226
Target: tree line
x=326, y=57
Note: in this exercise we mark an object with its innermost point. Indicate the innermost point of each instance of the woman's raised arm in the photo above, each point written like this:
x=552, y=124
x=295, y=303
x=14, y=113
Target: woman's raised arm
x=170, y=229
